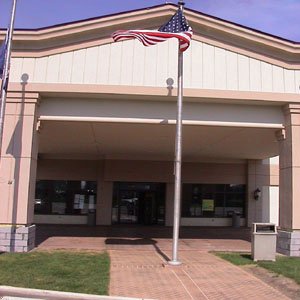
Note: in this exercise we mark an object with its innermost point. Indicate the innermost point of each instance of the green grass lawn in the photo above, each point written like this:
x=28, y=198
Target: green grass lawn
x=61, y=271
x=286, y=266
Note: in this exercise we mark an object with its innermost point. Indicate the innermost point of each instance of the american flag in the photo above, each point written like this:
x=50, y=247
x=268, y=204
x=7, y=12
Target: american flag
x=177, y=27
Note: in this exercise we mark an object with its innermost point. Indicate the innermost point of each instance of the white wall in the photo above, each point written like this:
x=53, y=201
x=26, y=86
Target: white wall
x=270, y=204
x=130, y=63
x=274, y=204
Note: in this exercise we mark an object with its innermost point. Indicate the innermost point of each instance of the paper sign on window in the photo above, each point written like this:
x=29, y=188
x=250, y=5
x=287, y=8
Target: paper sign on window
x=208, y=205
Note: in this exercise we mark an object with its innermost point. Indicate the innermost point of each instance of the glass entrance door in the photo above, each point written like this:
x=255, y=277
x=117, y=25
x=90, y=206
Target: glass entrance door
x=138, y=203
x=128, y=207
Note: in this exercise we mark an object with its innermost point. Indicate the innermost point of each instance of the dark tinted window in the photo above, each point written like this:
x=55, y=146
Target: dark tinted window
x=65, y=197
x=213, y=200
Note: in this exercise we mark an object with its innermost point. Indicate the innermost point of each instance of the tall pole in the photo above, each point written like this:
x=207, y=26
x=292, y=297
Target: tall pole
x=178, y=157
x=6, y=71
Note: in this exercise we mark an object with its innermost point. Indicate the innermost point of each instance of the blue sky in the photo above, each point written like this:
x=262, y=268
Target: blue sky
x=278, y=17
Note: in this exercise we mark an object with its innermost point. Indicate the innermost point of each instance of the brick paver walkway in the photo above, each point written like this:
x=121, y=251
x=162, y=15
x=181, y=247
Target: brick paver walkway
x=202, y=276
x=139, y=254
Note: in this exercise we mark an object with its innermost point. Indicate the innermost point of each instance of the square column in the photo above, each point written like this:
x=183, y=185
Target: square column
x=262, y=175
x=254, y=207
x=104, y=203
x=18, y=163
x=289, y=179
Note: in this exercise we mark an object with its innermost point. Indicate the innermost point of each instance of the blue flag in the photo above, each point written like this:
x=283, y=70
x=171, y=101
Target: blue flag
x=3, y=49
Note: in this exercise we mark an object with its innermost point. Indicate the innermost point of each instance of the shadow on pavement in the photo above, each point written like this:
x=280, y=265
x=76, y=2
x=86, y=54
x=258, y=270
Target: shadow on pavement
x=142, y=241
x=139, y=232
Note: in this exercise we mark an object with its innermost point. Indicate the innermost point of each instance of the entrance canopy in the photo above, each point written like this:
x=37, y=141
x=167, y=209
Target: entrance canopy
x=139, y=129
x=92, y=140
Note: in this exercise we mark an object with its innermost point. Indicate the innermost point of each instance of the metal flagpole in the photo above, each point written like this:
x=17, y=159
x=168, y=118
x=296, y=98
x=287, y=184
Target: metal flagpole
x=178, y=155
x=6, y=71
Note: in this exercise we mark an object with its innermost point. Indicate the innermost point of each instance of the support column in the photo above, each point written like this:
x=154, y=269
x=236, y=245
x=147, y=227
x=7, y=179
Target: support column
x=104, y=203
x=253, y=206
x=262, y=175
x=18, y=164
x=289, y=179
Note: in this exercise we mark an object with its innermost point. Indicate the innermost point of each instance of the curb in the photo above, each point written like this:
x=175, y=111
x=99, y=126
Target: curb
x=6, y=292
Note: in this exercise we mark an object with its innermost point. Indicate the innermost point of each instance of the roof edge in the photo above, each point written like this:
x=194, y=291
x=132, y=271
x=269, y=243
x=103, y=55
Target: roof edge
x=92, y=18
x=98, y=29
x=154, y=7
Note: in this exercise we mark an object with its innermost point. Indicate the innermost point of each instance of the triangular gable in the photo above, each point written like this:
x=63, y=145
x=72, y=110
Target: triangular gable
x=129, y=63
x=96, y=31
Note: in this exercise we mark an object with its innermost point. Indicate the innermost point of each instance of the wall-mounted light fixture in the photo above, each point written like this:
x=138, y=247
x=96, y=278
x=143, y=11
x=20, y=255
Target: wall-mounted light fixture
x=257, y=194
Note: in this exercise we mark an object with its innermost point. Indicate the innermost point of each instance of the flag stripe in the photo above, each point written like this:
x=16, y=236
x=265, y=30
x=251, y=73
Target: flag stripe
x=177, y=27
x=152, y=37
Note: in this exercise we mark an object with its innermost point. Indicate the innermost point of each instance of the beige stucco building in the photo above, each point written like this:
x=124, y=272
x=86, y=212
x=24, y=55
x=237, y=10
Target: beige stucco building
x=89, y=128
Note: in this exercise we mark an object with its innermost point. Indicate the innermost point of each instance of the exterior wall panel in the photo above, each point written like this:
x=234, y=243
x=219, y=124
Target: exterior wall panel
x=65, y=68
x=40, y=70
x=208, y=66
x=220, y=69
x=289, y=81
x=172, y=61
x=150, y=67
x=127, y=64
x=197, y=64
x=232, y=71
x=28, y=68
x=162, y=63
x=16, y=69
x=115, y=63
x=243, y=73
x=52, y=68
x=255, y=75
x=187, y=68
x=90, y=68
x=138, y=64
x=103, y=64
x=297, y=82
x=267, y=80
x=130, y=63
x=278, y=80
x=78, y=66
